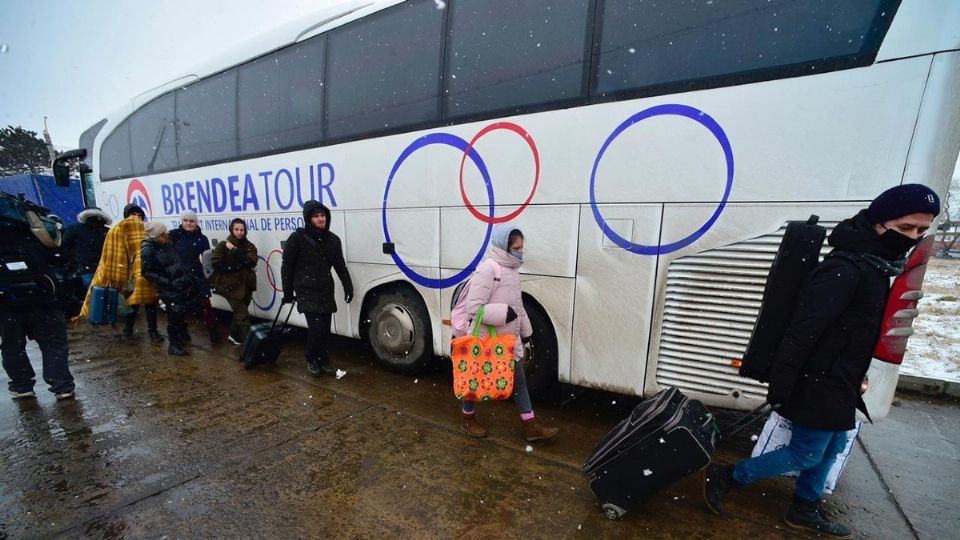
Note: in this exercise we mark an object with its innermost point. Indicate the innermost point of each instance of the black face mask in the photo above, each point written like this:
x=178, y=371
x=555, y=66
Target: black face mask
x=898, y=242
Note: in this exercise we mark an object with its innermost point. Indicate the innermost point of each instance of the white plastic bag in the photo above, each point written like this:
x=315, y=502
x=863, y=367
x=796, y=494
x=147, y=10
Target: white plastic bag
x=776, y=434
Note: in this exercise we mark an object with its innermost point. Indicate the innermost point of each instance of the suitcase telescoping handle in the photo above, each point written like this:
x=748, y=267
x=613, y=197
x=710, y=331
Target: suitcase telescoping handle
x=748, y=419
x=277, y=316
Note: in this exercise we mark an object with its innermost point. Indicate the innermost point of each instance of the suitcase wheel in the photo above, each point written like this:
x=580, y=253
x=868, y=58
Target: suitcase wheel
x=612, y=511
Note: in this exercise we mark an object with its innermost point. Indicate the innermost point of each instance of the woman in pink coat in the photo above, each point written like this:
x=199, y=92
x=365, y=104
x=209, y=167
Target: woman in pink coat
x=495, y=285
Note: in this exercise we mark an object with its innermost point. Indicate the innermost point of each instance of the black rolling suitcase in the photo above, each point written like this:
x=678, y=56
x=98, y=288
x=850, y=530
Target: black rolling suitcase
x=797, y=256
x=666, y=438
x=264, y=341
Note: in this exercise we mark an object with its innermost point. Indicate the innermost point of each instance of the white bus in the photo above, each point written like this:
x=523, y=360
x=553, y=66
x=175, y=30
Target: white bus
x=651, y=152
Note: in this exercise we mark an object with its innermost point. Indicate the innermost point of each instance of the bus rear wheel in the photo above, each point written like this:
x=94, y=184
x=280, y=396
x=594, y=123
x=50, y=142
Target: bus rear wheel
x=540, y=356
x=399, y=332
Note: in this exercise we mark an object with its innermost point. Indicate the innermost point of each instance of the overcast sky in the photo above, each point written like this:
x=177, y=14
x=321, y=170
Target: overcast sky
x=75, y=61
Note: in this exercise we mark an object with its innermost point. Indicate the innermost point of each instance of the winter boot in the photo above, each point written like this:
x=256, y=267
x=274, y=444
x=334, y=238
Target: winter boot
x=717, y=481
x=176, y=349
x=318, y=368
x=128, y=325
x=155, y=336
x=809, y=516
x=534, y=430
x=215, y=336
x=471, y=426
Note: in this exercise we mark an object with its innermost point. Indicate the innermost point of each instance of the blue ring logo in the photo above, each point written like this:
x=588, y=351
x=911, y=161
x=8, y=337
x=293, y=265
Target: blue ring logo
x=273, y=299
x=463, y=146
x=677, y=110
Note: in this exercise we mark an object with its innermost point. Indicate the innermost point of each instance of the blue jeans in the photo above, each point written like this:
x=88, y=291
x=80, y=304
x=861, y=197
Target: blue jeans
x=811, y=451
x=521, y=396
x=47, y=325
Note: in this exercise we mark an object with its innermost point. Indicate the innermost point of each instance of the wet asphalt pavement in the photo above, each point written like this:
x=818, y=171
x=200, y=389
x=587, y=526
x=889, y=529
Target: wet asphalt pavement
x=197, y=447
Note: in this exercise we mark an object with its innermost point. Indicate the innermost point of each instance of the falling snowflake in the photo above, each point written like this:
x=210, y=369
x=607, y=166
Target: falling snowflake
x=647, y=472
x=340, y=374
x=529, y=448
x=440, y=4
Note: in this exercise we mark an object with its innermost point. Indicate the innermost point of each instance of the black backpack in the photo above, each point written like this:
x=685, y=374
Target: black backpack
x=33, y=271
x=797, y=256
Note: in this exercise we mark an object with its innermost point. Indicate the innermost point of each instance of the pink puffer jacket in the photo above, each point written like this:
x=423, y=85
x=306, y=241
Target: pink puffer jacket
x=496, y=297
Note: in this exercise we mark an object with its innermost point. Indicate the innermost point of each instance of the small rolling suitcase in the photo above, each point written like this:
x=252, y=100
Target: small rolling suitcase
x=103, y=305
x=797, y=256
x=666, y=438
x=264, y=341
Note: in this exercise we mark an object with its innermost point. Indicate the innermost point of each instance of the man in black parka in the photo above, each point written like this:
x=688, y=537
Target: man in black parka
x=823, y=357
x=308, y=256
x=84, y=241
x=32, y=307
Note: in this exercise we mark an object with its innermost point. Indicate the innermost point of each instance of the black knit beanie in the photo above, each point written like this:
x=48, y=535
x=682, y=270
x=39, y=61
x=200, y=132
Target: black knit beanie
x=901, y=201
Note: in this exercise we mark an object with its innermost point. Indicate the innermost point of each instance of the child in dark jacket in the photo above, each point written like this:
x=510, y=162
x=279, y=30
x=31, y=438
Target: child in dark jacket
x=161, y=265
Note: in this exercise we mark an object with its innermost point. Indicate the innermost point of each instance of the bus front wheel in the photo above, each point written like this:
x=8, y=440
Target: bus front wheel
x=399, y=331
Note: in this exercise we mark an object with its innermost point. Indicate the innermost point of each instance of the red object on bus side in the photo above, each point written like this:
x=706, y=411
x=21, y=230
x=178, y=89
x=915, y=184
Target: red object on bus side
x=902, y=305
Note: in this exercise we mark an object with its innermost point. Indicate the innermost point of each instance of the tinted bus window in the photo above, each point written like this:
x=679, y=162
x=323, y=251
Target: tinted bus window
x=207, y=120
x=503, y=53
x=383, y=70
x=153, y=137
x=115, y=154
x=281, y=99
x=653, y=43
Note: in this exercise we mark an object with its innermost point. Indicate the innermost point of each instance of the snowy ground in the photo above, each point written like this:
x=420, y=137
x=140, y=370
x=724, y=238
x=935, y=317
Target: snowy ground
x=934, y=351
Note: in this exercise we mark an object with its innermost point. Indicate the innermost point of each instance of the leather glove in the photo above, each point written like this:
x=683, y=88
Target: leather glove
x=777, y=396
x=511, y=314
x=287, y=299
x=348, y=296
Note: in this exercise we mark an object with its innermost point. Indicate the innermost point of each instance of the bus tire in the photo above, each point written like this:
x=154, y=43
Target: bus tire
x=540, y=353
x=399, y=332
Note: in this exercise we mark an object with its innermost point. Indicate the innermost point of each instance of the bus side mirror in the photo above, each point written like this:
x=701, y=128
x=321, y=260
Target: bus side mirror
x=61, y=166
x=61, y=174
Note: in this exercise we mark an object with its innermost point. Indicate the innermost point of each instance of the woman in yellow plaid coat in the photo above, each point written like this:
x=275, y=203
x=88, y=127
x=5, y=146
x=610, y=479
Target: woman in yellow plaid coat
x=120, y=268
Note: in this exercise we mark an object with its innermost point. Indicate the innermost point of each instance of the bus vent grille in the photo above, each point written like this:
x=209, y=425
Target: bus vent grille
x=711, y=306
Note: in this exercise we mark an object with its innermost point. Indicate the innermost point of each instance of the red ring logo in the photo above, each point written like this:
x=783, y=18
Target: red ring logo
x=509, y=126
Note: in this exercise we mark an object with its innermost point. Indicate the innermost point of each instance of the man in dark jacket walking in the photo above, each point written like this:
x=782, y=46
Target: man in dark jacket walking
x=821, y=361
x=84, y=241
x=162, y=267
x=308, y=256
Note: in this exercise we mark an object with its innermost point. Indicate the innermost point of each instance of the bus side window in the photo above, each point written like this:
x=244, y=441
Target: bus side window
x=368, y=90
x=533, y=56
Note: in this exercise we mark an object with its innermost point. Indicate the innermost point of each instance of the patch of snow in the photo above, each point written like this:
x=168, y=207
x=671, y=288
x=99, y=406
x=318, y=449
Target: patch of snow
x=934, y=349
x=340, y=374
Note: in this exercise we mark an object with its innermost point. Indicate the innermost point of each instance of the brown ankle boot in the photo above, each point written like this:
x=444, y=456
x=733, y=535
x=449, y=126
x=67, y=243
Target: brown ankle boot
x=471, y=427
x=535, y=431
